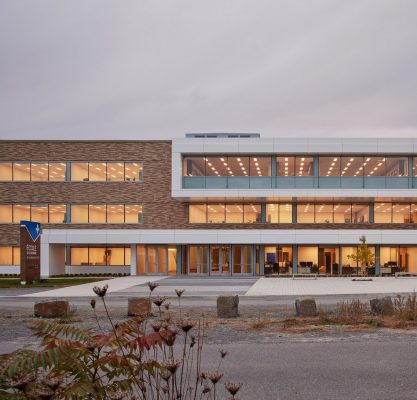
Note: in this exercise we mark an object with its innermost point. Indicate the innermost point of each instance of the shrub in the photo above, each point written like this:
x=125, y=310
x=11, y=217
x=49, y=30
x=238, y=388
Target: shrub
x=350, y=312
x=405, y=308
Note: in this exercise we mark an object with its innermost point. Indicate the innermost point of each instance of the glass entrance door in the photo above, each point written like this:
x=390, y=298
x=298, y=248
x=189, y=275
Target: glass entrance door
x=225, y=260
x=242, y=259
x=198, y=259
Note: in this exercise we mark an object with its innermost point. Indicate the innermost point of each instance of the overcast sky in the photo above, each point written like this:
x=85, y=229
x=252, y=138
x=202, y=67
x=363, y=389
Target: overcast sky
x=96, y=69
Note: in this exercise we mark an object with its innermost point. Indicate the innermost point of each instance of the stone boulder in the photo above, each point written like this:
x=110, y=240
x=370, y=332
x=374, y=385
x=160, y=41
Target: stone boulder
x=382, y=306
x=138, y=306
x=228, y=306
x=305, y=307
x=52, y=309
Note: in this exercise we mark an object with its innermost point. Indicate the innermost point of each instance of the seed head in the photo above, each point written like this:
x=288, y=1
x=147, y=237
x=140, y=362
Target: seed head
x=158, y=301
x=232, y=387
x=152, y=286
x=223, y=353
x=186, y=326
x=93, y=303
x=172, y=366
x=179, y=292
x=166, y=305
x=100, y=292
x=206, y=388
x=214, y=376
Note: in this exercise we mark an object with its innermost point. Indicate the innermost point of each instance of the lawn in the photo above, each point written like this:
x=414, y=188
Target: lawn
x=53, y=282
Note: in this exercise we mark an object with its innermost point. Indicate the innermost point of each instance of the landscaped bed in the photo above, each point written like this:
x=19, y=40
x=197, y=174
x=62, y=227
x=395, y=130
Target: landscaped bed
x=51, y=282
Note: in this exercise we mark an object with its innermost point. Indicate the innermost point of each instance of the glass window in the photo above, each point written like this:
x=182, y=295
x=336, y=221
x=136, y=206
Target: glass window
x=162, y=259
x=285, y=213
x=16, y=255
x=401, y=213
x=374, y=166
x=98, y=256
x=97, y=213
x=351, y=166
x=239, y=166
x=57, y=213
x=79, y=213
x=396, y=166
x=234, y=213
x=342, y=214
x=133, y=214
x=57, y=171
x=329, y=166
x=128, y=260
x=217, y=166
x=194, y=166
x=115, y=213
x=79, y=256
x=215, y=213
x=141, y=259
x=133, y=171
x=79, y=171
x=115, y=256
x=413, y=215
x=39, y=171
x=21, y=213
x=360, y=213
x=260, y=166
x=415, y=166
x=6, y=255
x=383, y=213
x=6, y=213
x=172, y=260
x=272, y=211
x=308, y=259
x=151, y=254
x=6, y=171
x=304, y=166
x=39, y=213
x=197, y=213
x=305, y=213
x=251, y=213
x=285, y=166
x=115, y=171
x=21, y=171
x=97, y=171
x=324, y=213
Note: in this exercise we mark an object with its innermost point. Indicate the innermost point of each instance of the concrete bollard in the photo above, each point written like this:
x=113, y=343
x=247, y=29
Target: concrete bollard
x=228, y=306
x=305, y=307
x=52, y=309
x=138, y=306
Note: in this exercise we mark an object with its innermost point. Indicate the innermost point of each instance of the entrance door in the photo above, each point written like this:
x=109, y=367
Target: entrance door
x=242, y=259
x=225, y=260
x=198, y=259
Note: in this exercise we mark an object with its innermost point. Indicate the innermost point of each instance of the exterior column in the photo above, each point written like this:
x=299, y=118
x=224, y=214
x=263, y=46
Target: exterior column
x=316, y=171
x=372, y=213
x=133, y=259
x=179, y=260
x=294, y=212
x=45, y=273
x=261, y=259
x=410, y=172
x=295, y=259
x=377, y=260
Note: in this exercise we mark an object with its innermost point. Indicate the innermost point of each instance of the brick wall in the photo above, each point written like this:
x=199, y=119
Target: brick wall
x=160, y=211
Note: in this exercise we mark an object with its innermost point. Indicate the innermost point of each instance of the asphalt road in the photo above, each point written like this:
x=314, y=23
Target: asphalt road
x=321, y=371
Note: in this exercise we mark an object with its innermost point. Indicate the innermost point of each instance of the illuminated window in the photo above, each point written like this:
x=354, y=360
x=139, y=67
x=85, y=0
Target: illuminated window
x=194, y=166
x=79, y=171
x=39, y=171
x=324, y=213
x=305, y=213
x=21, y=213
x=401, y=213
x=9, y=255
x=115, y=171
x=383, y=213
x=238, y=166
x=197, y=213
x=115, y=213
x=21, y=171
x=329, y=166
x=251, y=213
x=57, y=213
x=133, y=171
x=57, y=171
x=79, y=213
x=6, y=171
x=272, y=212
x=215, y=213
x=374, y=166
x=304, y=166
x=97, y=213
x=6, y=213
x=285, y=213
x=39, y=213
x=97, y=171
x=352, y=166
x=133, y=214
x=260, y=166
x=342, y=213
x=285, y=166
x=396, y=166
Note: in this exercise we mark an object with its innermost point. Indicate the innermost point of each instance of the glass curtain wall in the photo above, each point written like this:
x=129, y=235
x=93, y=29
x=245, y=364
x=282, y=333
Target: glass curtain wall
x=156, y=259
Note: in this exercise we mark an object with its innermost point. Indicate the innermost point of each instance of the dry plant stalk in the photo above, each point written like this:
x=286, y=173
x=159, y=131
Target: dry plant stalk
x=351, y=312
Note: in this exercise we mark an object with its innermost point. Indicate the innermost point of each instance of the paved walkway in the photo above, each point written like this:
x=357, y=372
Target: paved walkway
x=330, y=286
x=86, y=289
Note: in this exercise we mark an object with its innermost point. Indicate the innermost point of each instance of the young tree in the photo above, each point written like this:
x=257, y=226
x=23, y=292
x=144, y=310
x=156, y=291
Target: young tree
x=364, y=255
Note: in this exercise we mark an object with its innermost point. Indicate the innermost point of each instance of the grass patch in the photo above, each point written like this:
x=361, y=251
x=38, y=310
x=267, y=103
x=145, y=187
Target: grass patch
x=55, y=282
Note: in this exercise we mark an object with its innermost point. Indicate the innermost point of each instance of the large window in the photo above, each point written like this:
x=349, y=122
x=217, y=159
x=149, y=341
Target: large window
x=327, y=213
x=106, y=213
x=21, y=171
x=9, y=255
x=294, y=166
x=97, y=171
x=100, y=256
x=279, y=213
x=225, y=213
x=387, y=213
x=44, y=213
